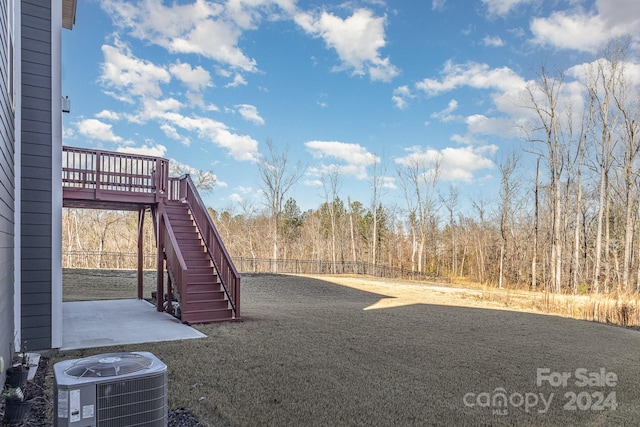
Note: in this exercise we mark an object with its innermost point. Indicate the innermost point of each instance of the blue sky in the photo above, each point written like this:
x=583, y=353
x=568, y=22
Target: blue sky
x=337, y=84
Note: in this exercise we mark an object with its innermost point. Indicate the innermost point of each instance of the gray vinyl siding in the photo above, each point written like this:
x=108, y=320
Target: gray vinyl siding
x=36, y=156
x=7, y=196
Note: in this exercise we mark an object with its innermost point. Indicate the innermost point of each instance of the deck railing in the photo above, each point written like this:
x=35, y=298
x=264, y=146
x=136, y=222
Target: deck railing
x=104, y=171
x=184, y=189
x=176, y=265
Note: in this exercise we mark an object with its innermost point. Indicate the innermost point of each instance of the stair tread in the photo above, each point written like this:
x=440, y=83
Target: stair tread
x=214, y=292
x=190, y=244
x=216, y=320
x=209, y=313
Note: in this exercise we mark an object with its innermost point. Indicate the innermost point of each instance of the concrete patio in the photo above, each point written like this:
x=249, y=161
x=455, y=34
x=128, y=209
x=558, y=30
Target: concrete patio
x=89, y=324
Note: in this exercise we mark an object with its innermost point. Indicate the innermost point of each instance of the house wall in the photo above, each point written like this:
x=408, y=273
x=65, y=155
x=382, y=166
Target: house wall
x=36, y=174
x=7, y=192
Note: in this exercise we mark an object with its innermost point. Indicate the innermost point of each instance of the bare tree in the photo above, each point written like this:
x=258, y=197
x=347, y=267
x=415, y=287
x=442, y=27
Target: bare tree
x=480, y=240
x=377, y=172
x=331, y=185
x=600, y=85
x=418, y=177
x=102, y=221
x=204, y=180
x=451, y=203
x=626, y=103
x=578, y=226
x=536, y=229
x=278, y=177
x=508, y=189
x=543, y=100
x=354, y=257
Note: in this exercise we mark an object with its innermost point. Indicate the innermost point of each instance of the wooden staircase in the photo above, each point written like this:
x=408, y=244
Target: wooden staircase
x=202, y=299
x=201, y=271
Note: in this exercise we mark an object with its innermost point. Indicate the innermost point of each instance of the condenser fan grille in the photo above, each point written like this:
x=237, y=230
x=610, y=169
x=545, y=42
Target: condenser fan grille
x=136, y=402
x=109, y=365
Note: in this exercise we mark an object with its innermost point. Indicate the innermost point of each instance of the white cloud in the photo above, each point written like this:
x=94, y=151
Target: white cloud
x=631, y=71
x=157, y=150
x=172, y=132
x=501, y=126
x=245, y=190
x=389, y=182
x=354, y=154
x=235, y=197
x=204, y=28
x=493, y=41
x=238, y=80
x=357, y=40
x=67, y=132
x=129, y=75
x=240, y=147
x=242, y=191
x=108, y=115
x=588, y=31
x=250, y=113
x=401, y=97
x=518, y=32
x=417, y=156
x=97, y=130
x=313, y=182
x=505, y=117
x=196, y=79
x=503, y=7
x=152, y=108
x=438, y=4
x=445, y=115
x=459, y=164
x=354, y=157
x=455, y=164
x=195, y=99
x=472, y=74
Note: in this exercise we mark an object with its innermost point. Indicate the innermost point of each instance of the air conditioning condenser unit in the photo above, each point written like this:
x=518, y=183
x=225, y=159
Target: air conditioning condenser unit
x=111, y=390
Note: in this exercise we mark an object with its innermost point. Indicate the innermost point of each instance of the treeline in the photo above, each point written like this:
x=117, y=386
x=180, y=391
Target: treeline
x=572, y=226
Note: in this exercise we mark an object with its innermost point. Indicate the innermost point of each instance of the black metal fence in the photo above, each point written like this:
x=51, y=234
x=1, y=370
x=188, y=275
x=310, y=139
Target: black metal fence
x=129, y=261
x=106, y=260
x=302, y=266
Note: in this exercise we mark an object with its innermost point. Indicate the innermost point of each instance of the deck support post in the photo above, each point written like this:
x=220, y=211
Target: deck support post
x=141, y=214
x=160, y=257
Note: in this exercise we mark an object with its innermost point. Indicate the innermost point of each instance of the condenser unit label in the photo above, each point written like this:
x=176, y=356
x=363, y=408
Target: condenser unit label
x=63, y=403
x=87, y=411
x=74, y=406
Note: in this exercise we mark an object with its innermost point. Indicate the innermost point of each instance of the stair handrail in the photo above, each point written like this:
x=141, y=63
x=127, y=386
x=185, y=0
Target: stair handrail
x=174, y=257
x=227, y=272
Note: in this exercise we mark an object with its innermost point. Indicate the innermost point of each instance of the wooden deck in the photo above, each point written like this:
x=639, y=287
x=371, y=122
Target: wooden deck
x=107, y=180
x=95, y=179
